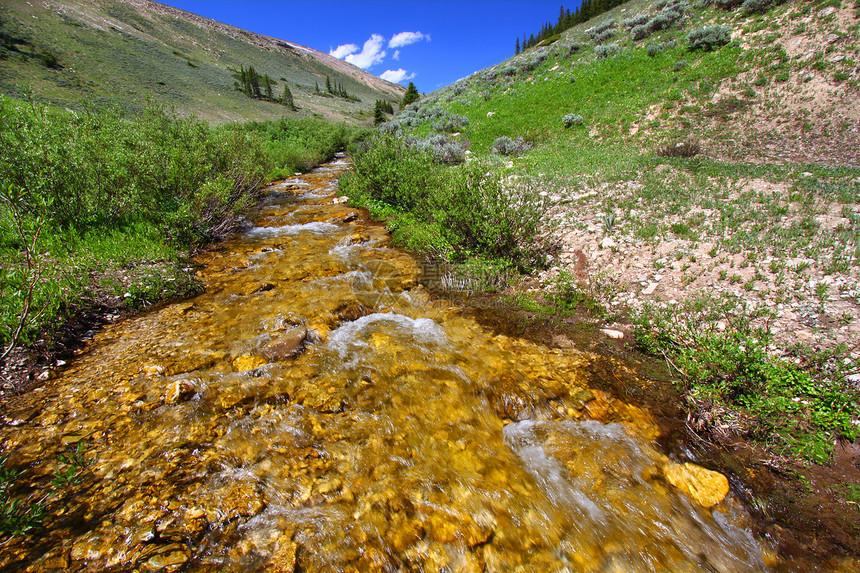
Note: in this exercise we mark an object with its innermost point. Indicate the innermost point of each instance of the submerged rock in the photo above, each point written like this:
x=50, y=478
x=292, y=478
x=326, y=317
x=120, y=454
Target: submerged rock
x=287, y=345
x=178, y=391
x=248, y=362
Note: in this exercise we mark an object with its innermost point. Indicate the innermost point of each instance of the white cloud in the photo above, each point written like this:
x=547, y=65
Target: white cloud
x=370, y=55
x=406, y=38
x=396, y=55
x=396, y=76
x=342, y=51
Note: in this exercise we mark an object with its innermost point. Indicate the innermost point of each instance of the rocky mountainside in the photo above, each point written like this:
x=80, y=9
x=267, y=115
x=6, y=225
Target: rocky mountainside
x=127, y=52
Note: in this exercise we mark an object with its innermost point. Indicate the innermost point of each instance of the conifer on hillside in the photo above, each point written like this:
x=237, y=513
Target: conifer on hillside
x=410, y=96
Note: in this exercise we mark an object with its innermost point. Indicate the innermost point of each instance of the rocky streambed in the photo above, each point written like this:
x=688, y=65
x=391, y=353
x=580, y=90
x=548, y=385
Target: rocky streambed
x=317, y=410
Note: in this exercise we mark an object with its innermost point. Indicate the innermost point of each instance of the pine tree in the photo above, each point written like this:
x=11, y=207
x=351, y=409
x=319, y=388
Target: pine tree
x=287, y=98
x=244, y=79
x=267, y=83
x=253, y=82
x=316, y=87
x=410, y=96
x=517, y=49
x=328, y=84
x=378, y=114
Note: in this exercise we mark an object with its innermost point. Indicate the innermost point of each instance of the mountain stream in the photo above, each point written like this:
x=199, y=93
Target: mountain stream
x=317, y=410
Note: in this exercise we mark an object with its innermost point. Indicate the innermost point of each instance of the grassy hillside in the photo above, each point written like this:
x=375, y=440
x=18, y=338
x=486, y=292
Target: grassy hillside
x=696, y=172
x=127, y=53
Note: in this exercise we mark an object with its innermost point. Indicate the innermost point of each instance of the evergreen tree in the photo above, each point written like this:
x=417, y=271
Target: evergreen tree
x=267, y=84
x=517, y=49
x=378, y=113
x=410, y=96
x=316, y=87
x=287, y=98
x=253, y=82
x=328, y=84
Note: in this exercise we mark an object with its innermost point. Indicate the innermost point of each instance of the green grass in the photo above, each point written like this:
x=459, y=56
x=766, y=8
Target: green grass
x=97, y=210
x=796, y=408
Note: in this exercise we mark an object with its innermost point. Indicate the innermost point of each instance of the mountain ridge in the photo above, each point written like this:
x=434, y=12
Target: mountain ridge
x=127, y=52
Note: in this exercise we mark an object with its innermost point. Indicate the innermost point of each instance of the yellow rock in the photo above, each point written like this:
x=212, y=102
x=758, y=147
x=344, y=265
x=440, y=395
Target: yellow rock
x=705, y=487
x=248, y=362
x=283, y=559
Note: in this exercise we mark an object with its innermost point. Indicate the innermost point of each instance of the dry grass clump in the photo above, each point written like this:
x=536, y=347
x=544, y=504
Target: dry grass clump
x=684, y=148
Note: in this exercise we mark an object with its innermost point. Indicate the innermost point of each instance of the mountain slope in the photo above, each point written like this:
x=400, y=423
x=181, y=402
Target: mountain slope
x=705, y=201
x=126, y=52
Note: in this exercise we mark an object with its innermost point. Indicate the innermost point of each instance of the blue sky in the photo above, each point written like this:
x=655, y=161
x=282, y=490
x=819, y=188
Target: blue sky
x=430, y=42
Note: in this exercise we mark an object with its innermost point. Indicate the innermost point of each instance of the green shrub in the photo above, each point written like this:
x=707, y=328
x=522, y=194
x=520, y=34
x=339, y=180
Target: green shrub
x=443, y=149
x=604, y=26
x=659, y=22
x=467, y=210
x=504, y=145
x=709, y=37
x=603, y=36
x=606, y=50
x=756, y=6
x=639, y=33
x=50, y=60
x=452, y=122
x=637, y=20
x=530, y=63
x=97, y=168
x=572, y=119
x=388, y=170
x=655, y=48
x=497, y=220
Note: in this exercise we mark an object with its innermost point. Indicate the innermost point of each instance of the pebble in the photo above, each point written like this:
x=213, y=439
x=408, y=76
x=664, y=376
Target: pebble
x=616, y=334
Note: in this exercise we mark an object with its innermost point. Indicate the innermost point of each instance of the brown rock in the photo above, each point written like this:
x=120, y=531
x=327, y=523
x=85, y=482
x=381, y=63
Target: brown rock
x=287, y=345
x=705, y=487
x=179, y=391
x=170, y=558
x=351, y=311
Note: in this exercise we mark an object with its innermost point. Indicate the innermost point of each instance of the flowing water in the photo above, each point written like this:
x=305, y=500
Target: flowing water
x=316, y=410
